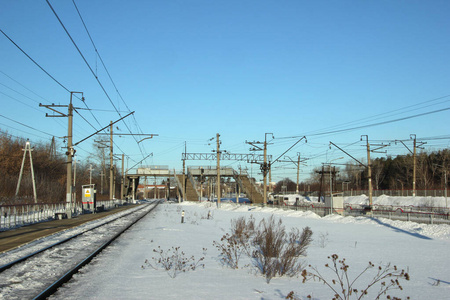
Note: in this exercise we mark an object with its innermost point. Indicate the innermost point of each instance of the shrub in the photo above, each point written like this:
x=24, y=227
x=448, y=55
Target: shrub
x=323, y=240
x=230, y=250
x=274, y=252
x=243, y=230
x=277, y=253
x=387, y=278
x=232, y=246
x=174, y=261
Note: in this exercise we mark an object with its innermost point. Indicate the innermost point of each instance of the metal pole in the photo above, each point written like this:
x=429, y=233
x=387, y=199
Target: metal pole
x=270, y=180
x=74, y=171
x=27, y=149
x=90, y=174
x=114, y=183
x=111, y=176
x=21, y=169
x=32, y=173
x=154, y=190
x=218, y=171
x=414, y=168
x=123, y=177
x=298, y=171
x=201, y=191
x=133, y=191
x=210, y=188
x=101, y=181
x=237, y=192
x=69, y=160
x=369, y=173
x=265, y=171
x=331, y=191
x=183, y=184
x=445, y=177
x=74, y=187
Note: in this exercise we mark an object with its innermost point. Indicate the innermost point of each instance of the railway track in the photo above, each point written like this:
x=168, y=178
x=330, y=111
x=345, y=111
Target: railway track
x=37, y=271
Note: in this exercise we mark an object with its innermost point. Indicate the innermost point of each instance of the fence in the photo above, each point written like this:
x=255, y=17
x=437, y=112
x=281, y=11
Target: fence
x=402, y=193
x=17, y=215
x=419, y=214
x=377, y=193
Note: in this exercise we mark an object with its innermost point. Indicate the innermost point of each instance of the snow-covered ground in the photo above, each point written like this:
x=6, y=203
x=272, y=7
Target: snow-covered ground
x=420, y=249
x=27, y=279
x=27, y=249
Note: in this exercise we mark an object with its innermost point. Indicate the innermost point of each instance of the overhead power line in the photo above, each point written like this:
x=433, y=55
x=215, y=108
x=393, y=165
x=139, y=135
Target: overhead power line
x=40, y=67
x=372, y=125
x=23, y=87
x=92, y=71
x=82, y=56
x=17, y=129
x=45, y=71
x=21, y=102
x=99, y=56
x=107, y=72
x=401, y=110
x=28, y=126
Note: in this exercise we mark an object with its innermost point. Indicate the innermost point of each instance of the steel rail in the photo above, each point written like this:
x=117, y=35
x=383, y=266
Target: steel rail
x=51, y=289
x=24, y=258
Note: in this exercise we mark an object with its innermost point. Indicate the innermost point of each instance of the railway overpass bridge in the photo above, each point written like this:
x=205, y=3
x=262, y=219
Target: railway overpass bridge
x=197, y=182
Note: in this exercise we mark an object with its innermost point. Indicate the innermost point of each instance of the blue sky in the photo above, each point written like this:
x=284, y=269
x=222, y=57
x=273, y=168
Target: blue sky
x=191, y=69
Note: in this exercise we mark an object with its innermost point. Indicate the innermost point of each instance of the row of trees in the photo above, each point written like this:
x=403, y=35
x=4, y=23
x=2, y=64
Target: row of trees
x=50, y=172
x=388, y=173
x=397, y=172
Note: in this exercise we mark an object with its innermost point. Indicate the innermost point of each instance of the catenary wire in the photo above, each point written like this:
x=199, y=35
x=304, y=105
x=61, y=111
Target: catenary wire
x=40, y=67
x=108, y=73
x=371, y=125
x=25, y=125
x=92, y=71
